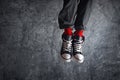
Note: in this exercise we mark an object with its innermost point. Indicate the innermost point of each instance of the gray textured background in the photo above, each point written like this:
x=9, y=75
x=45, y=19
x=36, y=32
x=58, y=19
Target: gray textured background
x=30, y=41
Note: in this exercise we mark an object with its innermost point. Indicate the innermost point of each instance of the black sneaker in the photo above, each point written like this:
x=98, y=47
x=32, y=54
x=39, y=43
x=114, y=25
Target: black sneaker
x=77, y=48
x=66, y=50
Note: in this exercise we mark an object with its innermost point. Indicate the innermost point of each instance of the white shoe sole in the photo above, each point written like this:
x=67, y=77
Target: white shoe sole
x=69, y=60
x=65, y=56
x=79, y=60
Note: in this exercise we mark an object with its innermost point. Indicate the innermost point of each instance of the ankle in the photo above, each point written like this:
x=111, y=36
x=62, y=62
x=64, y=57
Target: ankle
x=79, y=33
x=68, y=31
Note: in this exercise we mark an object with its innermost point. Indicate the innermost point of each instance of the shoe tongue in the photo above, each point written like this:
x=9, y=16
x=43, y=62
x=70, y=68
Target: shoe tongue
x=78, y=38
x=67, y=37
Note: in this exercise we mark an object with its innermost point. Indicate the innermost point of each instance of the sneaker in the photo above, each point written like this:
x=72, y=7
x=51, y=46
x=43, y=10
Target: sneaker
x=66, y=50
x=77, y=48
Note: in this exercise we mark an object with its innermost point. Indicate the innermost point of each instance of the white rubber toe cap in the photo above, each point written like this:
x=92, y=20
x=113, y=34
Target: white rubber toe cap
x=66, y=57
x=79, y=58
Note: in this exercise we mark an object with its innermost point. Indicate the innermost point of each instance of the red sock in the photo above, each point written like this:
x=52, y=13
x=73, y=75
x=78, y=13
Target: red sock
x=79, y=32
x=68, y=31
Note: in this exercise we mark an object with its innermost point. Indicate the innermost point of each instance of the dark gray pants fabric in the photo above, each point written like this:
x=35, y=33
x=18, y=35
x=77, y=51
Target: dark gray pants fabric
x=73, y=14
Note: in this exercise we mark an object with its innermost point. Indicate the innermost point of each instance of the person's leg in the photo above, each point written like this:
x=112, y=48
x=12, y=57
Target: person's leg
x=78, y=37
x=82, y=7
x=66, y=17
x=66, y=20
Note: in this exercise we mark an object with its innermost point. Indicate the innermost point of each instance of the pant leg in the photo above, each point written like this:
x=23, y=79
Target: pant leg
x=67, y=15
x=81, y=14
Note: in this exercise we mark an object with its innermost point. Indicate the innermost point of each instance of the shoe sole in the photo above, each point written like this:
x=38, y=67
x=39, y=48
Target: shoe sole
x=78, y=60
x=66, y=60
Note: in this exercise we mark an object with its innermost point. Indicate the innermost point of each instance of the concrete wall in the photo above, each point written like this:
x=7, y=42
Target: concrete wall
x=30, y=42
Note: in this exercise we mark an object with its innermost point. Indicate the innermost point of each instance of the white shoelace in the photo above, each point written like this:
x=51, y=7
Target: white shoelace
x=67, y=45
x=78, y=47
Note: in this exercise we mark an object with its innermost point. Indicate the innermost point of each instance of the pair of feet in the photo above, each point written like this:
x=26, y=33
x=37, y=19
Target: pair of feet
x=72, y=47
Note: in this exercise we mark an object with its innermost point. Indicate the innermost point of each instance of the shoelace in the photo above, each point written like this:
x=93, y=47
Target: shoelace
x=77, y=46
x=67, y=45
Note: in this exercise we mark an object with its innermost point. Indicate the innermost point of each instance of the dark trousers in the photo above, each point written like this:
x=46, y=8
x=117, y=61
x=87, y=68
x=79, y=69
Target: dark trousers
x=72, y=14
